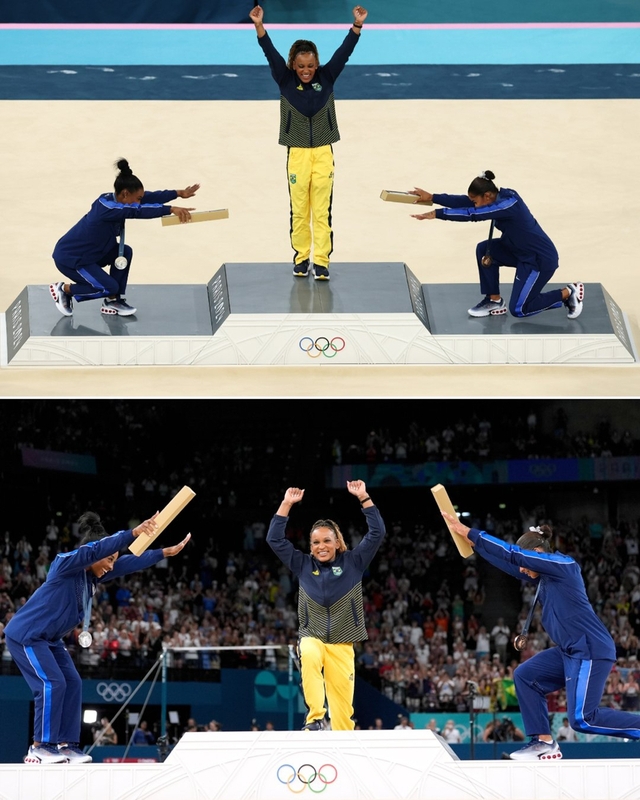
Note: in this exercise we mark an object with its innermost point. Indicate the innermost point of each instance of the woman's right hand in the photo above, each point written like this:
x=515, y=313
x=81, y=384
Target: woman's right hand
x=293, y=495
x=421, y=195
x=147, y=527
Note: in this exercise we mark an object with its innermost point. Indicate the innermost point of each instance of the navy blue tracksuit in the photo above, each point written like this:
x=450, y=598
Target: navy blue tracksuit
x=34, y=634
x=523, y=245
x=92, y=244
x=584, y=653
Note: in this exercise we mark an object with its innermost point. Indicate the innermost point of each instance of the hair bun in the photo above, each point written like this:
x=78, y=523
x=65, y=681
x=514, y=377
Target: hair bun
x=123, y=165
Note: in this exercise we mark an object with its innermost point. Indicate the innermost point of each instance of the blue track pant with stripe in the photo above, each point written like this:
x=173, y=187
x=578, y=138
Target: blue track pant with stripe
x=57, y=689
x=532, y=276
x=584, y=681
x=91, y=280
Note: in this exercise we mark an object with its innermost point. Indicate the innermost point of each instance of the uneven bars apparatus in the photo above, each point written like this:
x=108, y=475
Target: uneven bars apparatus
x=166, y=648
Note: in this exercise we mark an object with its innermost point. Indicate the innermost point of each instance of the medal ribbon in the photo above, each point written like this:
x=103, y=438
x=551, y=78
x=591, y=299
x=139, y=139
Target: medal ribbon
x=87, y=600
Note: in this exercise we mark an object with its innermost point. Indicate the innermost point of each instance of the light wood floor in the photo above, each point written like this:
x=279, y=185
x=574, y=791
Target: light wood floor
x=573, y=161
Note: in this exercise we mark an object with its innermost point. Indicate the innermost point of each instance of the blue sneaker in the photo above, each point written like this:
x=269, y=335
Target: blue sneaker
x=488, y=307
x=320, y=273
x=315, y=725
x=301, y=270
x=537, y=750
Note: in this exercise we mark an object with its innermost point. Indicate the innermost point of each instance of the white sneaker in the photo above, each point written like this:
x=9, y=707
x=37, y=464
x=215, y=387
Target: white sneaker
x=119, y=306
x=73, y=753
x=62, y=300
x=44, y=753
x=574, y=301
x=488, y=308
x=537, y=750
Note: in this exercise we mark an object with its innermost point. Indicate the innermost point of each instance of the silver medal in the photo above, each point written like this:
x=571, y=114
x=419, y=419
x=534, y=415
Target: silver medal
x=85, y=639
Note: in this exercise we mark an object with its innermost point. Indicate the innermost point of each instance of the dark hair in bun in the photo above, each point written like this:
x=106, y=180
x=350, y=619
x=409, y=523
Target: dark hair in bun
x=536, y=537
x=125, y=178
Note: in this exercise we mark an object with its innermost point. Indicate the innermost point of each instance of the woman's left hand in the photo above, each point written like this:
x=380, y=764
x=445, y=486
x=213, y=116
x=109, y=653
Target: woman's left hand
x=167, y=552
x=189, y=191
x=428, y=215
x=359, y=14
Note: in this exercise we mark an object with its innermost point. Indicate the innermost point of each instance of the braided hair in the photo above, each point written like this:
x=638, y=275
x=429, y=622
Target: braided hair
x=333, y=526
x=125, y=178
x=302, y=46
x=536, y=537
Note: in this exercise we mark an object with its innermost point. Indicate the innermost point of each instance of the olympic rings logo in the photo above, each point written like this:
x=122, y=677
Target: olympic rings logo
x=113, y=692
x=307, y=775
x=322, y=346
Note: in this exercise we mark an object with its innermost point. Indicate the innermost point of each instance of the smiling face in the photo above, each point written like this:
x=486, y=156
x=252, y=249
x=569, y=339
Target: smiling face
x=103, y=566
x=324, y=544
x=305, y=66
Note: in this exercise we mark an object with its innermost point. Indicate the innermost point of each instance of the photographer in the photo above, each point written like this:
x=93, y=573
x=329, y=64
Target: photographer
x=502, y=730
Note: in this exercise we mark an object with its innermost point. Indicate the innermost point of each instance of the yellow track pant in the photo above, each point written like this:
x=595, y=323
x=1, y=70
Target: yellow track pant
x=310, y=171
x=328, y=669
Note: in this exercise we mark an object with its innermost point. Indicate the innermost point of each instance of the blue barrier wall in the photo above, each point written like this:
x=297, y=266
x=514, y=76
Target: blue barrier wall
x=238, y=698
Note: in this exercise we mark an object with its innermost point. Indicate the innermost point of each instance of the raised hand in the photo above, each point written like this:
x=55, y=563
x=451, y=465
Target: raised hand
x=257, y=15
x=167, y=552
x=357, y=488
x=293, y=495
x=359, y=14
x=189, y=191
x=148, y=527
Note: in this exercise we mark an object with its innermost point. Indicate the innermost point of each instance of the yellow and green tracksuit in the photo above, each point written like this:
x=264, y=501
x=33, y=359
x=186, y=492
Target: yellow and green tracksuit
x=331, y=618
x=308, y=129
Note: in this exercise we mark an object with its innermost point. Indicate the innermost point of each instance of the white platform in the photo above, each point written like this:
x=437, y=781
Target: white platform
x=355, y=765
x=259, y=315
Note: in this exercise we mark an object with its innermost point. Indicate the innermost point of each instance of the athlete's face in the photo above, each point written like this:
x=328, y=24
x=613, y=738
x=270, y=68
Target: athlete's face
x=305, y=65
x=324, y=544
x=530, y=572
x=482, y=199
x=127, y=197
x=103, y=566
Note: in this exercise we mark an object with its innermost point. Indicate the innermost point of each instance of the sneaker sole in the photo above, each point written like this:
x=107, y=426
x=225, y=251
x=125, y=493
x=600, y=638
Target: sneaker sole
x=33, y=760
x=113, y=312
x=478, y=314
x=301, y=274
x=321, y=278
x=579, y=297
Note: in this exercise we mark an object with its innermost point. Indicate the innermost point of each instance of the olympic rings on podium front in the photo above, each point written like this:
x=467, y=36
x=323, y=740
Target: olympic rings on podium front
x=307, y=774
x=322, y=346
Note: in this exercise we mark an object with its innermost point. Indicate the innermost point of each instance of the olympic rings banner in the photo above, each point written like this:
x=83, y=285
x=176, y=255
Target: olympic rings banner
x=307, y=776
x=322, y=346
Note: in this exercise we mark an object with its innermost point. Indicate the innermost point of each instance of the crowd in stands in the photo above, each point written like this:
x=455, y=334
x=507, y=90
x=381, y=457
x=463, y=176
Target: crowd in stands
x=483, y=436
x=434, y=644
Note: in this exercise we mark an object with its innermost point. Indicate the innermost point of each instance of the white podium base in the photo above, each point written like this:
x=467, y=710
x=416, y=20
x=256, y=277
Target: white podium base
x=349, y=765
